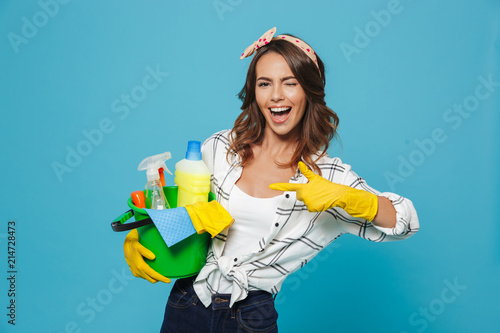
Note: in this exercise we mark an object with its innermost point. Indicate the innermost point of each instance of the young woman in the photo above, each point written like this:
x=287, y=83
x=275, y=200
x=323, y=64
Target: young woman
x=289, y=199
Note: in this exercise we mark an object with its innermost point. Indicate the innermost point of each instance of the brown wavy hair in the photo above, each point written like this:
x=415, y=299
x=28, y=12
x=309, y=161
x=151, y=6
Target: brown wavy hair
x=318, y=125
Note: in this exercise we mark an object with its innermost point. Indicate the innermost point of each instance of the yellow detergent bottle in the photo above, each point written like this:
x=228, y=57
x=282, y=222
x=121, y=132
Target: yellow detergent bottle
x=192, y=177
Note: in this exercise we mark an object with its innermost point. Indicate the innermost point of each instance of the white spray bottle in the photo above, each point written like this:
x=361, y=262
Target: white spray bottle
x=154, y=188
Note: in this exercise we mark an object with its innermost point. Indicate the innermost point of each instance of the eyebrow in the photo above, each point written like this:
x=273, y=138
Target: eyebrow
x=268, y=79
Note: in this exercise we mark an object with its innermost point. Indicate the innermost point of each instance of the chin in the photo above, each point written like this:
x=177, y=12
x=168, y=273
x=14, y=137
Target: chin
x=283, y=131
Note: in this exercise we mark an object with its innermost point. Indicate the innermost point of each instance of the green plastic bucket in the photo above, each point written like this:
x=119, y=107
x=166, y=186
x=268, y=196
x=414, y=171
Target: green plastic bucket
x=183, y=259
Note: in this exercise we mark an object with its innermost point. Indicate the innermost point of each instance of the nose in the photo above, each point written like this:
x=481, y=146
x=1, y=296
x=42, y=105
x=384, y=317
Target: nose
x=277, y=93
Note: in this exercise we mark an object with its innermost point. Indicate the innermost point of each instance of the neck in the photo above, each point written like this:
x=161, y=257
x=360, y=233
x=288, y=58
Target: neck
x=281, y=148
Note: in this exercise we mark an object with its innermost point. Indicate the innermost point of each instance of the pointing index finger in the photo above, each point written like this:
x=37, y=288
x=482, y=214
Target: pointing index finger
x=285, y=186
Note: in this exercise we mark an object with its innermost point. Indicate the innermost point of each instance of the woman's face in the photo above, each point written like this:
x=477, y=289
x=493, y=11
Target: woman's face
x=279, y=95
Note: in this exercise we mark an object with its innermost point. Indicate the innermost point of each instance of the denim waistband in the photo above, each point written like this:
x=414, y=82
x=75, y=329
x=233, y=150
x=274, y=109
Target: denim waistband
x=222, y=301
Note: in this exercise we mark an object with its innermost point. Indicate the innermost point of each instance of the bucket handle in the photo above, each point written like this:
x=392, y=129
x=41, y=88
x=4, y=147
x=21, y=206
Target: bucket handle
x=119, y=223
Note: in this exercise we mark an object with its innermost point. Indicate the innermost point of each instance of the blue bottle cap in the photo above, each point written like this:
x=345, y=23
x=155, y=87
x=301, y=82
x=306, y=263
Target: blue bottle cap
x=194, y=151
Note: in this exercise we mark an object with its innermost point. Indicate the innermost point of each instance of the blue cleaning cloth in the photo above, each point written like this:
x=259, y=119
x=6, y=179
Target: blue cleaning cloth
x=173, y=224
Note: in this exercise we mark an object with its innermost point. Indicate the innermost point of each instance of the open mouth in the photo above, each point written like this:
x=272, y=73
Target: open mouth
x=280, y=115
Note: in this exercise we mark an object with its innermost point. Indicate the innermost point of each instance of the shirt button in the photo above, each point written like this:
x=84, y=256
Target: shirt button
x=277, y=224
x=235, y=259
x=287, y=195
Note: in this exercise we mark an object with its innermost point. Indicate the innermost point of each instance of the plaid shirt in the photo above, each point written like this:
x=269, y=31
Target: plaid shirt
x=295, y=236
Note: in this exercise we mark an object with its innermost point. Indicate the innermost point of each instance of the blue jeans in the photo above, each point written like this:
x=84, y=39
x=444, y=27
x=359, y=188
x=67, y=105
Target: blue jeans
x=185, y=313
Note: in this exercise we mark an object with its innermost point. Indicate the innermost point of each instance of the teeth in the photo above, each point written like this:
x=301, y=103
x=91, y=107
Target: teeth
x=280, y=109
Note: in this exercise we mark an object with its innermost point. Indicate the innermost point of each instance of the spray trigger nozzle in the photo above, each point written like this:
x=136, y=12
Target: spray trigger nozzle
x=153, y=163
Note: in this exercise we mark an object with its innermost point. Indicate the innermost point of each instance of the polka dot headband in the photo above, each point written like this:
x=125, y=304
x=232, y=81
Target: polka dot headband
x=268, y=37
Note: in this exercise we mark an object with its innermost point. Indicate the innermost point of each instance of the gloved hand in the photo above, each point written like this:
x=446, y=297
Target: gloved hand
x=209, y=216
x=320, y=194
x=134, y=253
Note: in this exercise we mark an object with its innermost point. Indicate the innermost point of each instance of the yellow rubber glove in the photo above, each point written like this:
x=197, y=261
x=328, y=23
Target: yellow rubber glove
x=134, y=253
x=209, y=216
x=320, y=194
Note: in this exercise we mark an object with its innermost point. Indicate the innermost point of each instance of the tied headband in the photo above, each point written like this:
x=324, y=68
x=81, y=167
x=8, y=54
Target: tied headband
x=268, y=37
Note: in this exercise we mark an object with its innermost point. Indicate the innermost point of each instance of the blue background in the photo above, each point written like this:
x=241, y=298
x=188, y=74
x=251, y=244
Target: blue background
x=68, y=75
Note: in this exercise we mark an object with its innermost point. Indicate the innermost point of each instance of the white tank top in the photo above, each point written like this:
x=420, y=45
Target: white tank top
x=252, y=221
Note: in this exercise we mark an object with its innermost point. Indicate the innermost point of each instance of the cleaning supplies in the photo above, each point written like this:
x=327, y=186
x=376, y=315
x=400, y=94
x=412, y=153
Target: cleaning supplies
x=155, y=198
x=162, y=176
x=188, y=256
x=184, y=259
x=192, y=177
x=138, y=199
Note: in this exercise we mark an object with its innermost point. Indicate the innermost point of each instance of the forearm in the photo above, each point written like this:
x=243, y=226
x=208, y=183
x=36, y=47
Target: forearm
x=386, y=214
